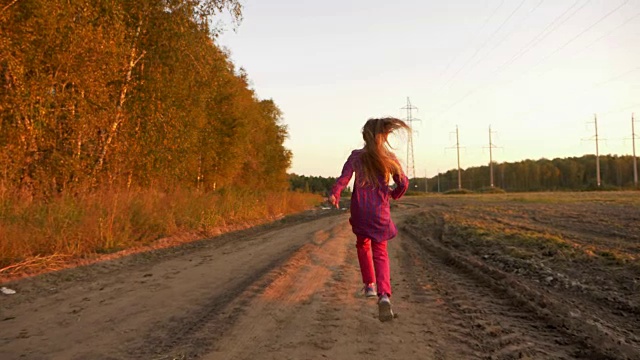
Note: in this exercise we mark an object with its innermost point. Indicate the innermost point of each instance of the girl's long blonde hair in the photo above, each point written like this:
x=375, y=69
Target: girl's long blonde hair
x=377, y=159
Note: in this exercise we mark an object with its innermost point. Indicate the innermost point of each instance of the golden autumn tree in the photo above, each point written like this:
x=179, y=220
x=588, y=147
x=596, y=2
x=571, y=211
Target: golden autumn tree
x=123, y=93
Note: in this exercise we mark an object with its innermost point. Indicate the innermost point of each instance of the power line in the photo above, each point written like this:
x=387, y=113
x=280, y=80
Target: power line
x=594, y=85
x=614, y=78
x=471, y=92
x=618, y=76
x=607, y=34
x=508, y=34
x=518, y=55
x=543, y=34
x=626, y=107
x=598, y=39
x=486, y=21
x=583, y=32
x=484, y=43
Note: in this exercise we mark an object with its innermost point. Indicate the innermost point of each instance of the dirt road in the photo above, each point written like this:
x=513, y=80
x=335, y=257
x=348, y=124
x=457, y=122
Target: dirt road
x=291, y=290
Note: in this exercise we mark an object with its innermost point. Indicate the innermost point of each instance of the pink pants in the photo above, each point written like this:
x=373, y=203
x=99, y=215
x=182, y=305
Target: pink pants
x=377, y=259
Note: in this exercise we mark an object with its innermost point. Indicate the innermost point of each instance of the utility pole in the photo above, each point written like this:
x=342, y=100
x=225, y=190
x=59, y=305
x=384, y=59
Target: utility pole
x=458, y=149
x=491, y=147
x=411, y=168
x=635, y=160
x=595, y=121
x=426, y=184
x=438, y=180
x=597, y=140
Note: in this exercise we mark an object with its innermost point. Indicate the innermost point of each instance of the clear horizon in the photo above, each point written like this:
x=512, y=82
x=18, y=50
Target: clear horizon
x=536, y=71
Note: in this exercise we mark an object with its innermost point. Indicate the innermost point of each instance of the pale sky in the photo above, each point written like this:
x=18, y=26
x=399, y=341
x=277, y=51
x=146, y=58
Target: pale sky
x=535, y=70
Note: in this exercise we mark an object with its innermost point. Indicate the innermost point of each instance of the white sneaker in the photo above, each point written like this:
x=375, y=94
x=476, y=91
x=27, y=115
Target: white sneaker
x=370, y=290
x=384, y=309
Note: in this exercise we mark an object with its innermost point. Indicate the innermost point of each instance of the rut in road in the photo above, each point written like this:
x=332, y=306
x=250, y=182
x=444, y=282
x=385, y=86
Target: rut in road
x=540, y=314
x=489, y=324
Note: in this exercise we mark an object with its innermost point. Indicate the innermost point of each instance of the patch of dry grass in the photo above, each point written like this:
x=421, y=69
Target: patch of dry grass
x=526, y=243
x=40, y=236
x=609, y=197
x=521, y=243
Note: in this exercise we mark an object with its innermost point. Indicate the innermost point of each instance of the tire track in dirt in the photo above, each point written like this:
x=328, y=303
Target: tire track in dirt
x=489, y=326
x=274, y=319
x=243, y=307
x=609, y=312
x=190, y=335
x=510, y=319
x=621, y=314
x=185, y=298
x=448, y=329
x=287, y=298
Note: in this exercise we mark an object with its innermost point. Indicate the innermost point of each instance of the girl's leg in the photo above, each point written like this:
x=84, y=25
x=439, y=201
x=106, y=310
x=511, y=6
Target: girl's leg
x=365, y=259
x=381, y=263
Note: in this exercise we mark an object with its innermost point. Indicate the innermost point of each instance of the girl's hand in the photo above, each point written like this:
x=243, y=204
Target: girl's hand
x=333, y=201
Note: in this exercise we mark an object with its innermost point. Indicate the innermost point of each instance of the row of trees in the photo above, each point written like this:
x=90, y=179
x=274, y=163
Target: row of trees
x=313, y=184
x=129, y=92
x=574, y=173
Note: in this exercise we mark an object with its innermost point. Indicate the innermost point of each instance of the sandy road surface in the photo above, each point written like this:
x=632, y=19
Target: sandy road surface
x=291, y=291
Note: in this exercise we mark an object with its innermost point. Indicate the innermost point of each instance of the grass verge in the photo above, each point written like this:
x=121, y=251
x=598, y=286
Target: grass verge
x=49, y=235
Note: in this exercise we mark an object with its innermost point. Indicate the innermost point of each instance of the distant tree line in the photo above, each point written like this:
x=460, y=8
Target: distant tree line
x=313, y=184
x=131, y=93
x=574, y=173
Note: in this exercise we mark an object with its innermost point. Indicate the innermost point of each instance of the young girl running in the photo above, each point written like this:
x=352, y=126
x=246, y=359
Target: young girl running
x=370, y=220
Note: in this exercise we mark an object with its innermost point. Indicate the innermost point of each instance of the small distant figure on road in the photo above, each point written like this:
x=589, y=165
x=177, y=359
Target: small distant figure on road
x=374, y=165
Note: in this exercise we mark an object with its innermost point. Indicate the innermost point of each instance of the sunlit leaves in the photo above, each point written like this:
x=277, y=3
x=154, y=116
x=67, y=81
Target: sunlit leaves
x=129, y=92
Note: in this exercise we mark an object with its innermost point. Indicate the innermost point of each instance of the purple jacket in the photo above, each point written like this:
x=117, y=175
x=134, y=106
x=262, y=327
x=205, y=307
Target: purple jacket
x=370, y=213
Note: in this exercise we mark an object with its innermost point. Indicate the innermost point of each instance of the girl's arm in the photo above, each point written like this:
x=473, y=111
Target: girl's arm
x=402, y=184
x=342, y=181
x=401, y=180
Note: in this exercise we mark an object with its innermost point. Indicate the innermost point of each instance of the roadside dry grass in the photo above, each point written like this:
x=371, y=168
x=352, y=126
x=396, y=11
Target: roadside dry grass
x=53, y=234
x=560, y=197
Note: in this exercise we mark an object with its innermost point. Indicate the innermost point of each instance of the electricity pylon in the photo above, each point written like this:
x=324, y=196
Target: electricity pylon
x=411, y=166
